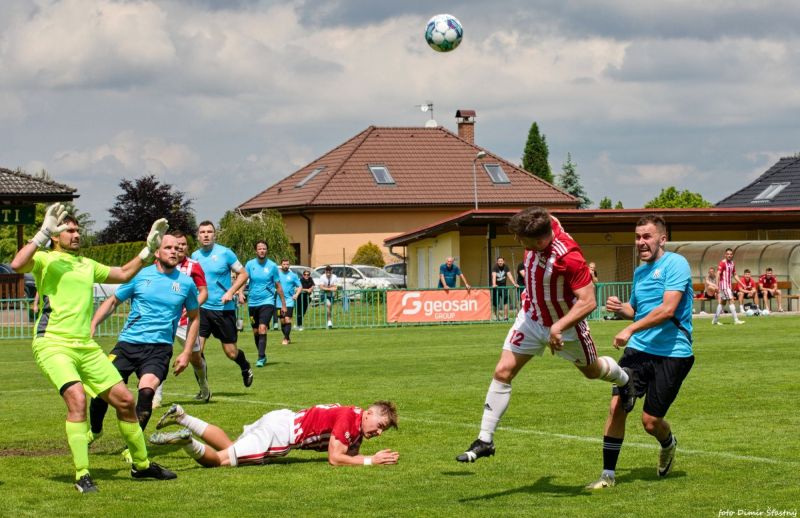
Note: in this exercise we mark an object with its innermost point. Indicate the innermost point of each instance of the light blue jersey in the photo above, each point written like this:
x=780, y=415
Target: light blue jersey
x=217, y=264
x=289, y=282
x=157, y=300
x=263, y=277
x=673, y=337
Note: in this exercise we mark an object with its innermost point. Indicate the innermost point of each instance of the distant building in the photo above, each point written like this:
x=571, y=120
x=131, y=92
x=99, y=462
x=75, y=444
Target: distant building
x=779, y=186
x=388, y=180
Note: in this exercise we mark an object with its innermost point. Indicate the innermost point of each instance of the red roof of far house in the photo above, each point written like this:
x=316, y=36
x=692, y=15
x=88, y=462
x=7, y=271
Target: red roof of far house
x=429, y=166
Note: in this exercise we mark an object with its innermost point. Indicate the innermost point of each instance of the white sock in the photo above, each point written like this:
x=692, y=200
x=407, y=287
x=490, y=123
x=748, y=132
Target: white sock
x=718, y=313
x=195, y=449
x=195, y=425
x=160, y=391
x=497, y=398
x=611, y=371
x=732, y=307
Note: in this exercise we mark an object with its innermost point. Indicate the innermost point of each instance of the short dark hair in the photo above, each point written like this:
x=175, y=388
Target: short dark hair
x=531, y=222
x=328, y=268
x=261, y=242
x=655, y=219
x=69, y=218
x=285, y=259
x=729, y=249
x=746, y=270
x=206, y=223
x=176, y=233
x=769, y=268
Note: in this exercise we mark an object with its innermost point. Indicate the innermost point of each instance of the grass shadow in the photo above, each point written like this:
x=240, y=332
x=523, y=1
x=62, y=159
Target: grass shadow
x=98, y=475
x=543, y=485
x=647, y=474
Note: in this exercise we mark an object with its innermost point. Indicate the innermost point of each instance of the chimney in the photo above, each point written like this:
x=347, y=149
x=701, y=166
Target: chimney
x=466, y=125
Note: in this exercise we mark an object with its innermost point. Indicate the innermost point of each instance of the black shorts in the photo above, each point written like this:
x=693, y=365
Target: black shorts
x=220, y=324
x=261, y=315
x=768, y=295
x=500, y=296
x=658, y=378
x=289, y=312
x=141, y=359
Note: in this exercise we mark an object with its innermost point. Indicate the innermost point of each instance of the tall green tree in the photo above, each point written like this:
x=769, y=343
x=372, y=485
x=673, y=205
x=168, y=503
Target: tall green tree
x=143, y=201
x=240, y=233
x=534, y=159
x=671, y=198
x=605, y=203
x=619, y=205
x=570, y=181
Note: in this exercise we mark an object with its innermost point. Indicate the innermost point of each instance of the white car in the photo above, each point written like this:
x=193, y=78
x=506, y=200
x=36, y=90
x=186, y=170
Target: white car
x=397, y=271
x=361, y=276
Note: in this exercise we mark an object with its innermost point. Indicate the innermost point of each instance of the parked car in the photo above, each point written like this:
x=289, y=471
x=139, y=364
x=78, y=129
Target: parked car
x=398, y=272
x=30, y=284
x=361, y=276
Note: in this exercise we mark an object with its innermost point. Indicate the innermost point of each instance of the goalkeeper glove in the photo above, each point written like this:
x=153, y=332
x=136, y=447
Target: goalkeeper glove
x=52, y=226
x=153, y=240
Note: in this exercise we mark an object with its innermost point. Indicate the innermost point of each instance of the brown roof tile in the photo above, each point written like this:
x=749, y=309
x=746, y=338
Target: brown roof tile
x=430, y=166
x=15, y=184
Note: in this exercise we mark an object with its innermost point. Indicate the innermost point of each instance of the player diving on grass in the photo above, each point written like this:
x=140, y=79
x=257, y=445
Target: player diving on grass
x=339, y=430
x=158, y=295
x=558, y=297
x=63, y=347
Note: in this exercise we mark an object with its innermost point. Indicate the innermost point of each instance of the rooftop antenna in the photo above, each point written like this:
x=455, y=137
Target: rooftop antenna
x=427, y=106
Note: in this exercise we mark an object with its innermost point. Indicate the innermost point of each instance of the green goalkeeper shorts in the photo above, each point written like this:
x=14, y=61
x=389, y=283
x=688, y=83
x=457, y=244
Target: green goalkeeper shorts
x=68, y=362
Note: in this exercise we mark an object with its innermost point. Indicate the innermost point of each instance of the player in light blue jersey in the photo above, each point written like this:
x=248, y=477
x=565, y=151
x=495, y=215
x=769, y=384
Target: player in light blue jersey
x=292, y=287
x=158, y=295
x=265, y=287
x=218, y=313
x=659, y=344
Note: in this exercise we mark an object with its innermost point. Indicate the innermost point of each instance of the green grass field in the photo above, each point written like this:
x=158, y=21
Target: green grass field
x=736, y=419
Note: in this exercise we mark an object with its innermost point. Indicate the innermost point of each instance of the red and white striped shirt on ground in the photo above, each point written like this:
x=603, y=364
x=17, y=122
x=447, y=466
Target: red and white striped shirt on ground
x=314, y=426
x=552, y=276
x=727, y=269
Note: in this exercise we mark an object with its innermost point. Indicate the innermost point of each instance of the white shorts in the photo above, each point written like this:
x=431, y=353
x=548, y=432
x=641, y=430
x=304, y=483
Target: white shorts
x=268, y=437
x=530, y=337
x=726, y=294
x=181, y=334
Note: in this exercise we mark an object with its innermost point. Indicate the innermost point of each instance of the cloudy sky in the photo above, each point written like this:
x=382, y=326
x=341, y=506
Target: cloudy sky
x=224, y=98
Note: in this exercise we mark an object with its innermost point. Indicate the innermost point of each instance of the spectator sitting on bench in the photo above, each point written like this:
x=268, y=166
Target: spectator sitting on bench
x=748, y=289
x=768, y=284
x=710, y=288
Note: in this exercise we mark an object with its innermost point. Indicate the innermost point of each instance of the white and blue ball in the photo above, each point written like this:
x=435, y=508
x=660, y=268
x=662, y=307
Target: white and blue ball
x=444, y=32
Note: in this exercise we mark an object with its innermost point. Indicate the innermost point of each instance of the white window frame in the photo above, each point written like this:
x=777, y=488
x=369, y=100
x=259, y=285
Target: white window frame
x=498, y=169
x=309, y=177
x=388, y=180
x=770, y=192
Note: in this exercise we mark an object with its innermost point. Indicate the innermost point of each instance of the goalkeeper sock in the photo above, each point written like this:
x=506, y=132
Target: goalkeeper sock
x=134, y=438
x=79, y=446
x=497, y=398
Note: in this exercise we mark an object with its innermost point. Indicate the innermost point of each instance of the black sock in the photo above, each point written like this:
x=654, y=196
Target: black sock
x=611, y=447
x=255, y=339
x=261, y=346
x=144, y=406
x=97, y=412
x=241, y=361
x=286, y=328
x=666, y=443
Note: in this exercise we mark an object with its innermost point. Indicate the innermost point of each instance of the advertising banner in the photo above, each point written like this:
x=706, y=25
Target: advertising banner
x=438, y=306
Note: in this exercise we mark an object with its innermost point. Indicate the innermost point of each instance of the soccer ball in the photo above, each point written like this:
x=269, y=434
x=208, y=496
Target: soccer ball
x=750, y=313
x=765, y=312
x=444, y=32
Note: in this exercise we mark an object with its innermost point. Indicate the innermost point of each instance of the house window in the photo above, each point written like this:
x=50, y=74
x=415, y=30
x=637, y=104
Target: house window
x=770, y=192
x=496, y=173
x=381, y=174
x=308, y=177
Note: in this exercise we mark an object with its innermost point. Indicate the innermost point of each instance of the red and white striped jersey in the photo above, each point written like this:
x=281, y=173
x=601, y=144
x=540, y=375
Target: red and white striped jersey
x=552, y=276
x=314, y=426
x=193, y=269
x=727, y=269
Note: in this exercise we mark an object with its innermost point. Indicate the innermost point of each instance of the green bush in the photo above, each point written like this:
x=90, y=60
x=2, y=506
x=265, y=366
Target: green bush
x=115, y=254
x=370, y=254
x=240, y=232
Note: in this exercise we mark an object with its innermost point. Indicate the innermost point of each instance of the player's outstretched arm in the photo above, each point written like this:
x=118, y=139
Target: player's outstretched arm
x=120, y=274
x=52, y=225
x=241, y=278
x=338, y=456
x=105, y=310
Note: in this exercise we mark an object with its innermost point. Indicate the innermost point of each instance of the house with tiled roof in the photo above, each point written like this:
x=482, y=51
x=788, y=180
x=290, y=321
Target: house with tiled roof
x=779, y=186
x=388, y=180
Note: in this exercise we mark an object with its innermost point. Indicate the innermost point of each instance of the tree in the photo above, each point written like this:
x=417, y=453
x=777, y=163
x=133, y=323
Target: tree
x=143, y=201
x=671, y=198
x=369, y=253
x=570, y=181
x=241, y=232
x=619, y=205
x=605, y=203
x=534, y=159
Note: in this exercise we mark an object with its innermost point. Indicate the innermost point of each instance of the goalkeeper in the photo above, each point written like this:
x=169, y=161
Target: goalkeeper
x=63, y=348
